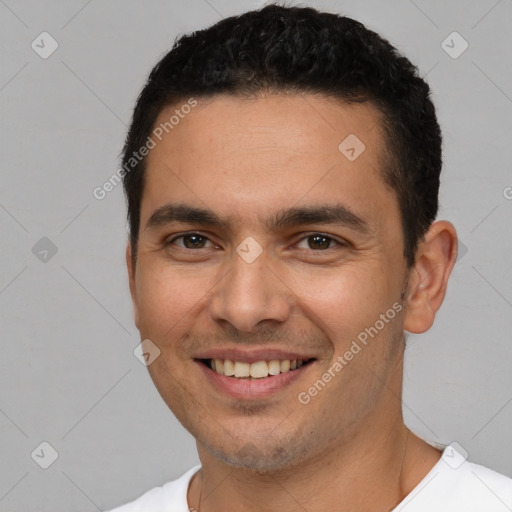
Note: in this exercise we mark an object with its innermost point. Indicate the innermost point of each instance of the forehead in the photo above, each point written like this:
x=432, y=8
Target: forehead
x=240, y=155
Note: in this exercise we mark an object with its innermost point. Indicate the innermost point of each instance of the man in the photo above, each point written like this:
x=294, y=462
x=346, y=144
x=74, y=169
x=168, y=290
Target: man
x=282, y=174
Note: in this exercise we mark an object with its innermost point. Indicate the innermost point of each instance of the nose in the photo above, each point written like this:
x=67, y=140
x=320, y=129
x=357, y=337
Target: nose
x=251, y=294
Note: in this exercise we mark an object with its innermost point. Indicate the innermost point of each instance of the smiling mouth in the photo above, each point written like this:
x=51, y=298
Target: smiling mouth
x=254, y=371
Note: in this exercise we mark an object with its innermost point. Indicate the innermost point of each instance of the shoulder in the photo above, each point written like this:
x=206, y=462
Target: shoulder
x=171, y=497
x=484, y=488
x=456, y=485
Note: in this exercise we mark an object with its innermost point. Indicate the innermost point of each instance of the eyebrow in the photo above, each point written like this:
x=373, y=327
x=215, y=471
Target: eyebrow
x=317, y=214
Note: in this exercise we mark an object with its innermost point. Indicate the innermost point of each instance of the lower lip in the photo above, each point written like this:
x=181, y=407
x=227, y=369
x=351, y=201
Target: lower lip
x=247, y=389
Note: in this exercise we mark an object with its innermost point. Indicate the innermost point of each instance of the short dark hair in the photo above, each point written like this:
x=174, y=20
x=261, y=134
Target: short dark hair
x=301, y=50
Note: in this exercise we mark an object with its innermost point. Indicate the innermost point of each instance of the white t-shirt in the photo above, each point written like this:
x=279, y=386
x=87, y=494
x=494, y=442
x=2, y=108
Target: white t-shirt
x=452, y=485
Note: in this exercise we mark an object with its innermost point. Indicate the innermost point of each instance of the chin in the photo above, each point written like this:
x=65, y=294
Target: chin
x=262, y=459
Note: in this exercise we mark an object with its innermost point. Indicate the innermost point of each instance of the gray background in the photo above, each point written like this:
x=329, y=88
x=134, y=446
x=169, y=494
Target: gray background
x=68, y=375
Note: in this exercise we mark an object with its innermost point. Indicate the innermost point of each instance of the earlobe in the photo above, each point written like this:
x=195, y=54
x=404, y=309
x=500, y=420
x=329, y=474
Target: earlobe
x=131, y=280
x=428, y=279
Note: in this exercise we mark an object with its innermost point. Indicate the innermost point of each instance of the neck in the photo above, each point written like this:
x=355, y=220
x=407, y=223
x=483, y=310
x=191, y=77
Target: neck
x=374, y=475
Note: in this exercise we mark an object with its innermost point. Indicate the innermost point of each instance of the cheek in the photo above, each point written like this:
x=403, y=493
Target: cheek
x=173, y=303
x=164, y=298
x=345, y=300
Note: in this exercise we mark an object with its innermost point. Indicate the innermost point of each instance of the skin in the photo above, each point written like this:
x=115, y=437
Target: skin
x=245, y=159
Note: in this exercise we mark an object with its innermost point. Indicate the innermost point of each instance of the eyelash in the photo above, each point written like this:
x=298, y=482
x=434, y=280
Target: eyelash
x=310, y=235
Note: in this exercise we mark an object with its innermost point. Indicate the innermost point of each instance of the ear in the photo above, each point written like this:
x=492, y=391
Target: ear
x=428, y=279
x=131, y=279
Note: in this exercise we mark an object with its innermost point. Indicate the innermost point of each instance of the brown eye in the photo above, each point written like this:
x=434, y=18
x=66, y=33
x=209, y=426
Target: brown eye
x=319, y=242
x=191, y=241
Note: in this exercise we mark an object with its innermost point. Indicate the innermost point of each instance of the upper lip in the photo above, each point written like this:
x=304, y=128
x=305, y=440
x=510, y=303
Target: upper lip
x=252, y=356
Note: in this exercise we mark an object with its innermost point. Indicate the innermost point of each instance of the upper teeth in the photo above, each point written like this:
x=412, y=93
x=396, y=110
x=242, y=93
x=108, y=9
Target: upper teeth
x=257, y=370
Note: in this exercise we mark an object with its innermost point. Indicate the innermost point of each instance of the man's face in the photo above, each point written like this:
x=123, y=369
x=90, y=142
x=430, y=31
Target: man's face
x=254, y=289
